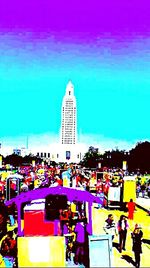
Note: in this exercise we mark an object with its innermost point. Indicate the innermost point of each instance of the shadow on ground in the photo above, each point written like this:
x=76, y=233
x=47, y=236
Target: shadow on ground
x=146, y=241
x=128, y=259
x=116, y=245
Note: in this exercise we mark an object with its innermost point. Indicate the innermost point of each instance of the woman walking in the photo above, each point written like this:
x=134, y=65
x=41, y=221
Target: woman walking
x=122, y=230
x=137, y=244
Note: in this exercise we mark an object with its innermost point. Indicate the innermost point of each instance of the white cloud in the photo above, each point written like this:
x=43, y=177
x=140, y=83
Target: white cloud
x=48, y=141
x=33, y=142
x=106, y=143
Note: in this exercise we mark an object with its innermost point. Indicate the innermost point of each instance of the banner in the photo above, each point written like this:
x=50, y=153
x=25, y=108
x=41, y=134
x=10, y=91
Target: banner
x=124, y=165
x=114, y=194
x=66, y=178
x=129, y=190
x=33, y=163
x=99, y=165
x=0, y=161
x=68, y=155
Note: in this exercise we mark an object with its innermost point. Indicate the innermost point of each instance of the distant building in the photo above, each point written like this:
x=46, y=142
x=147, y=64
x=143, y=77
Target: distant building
x=17, y=151
x=68, y=149
x=69, y=117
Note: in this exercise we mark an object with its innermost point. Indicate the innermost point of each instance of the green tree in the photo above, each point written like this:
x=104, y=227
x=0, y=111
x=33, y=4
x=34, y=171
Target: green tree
x=14, y=160
x=139, y=157
x=29, y=158
x=91, y=158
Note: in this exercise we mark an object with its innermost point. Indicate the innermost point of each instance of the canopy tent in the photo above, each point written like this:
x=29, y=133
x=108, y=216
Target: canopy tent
x=72, y=195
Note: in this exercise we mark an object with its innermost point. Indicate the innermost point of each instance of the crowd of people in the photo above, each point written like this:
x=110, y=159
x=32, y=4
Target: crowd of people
x=120, y=229
x=74, y=231
x=142, y=187
x=8, y=238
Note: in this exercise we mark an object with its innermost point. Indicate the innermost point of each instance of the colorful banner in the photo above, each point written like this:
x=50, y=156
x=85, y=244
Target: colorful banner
x=124, y=165
x=68, y=155
x=129, y=190
x=66, y=178
x=0, y=161
x=93, y=182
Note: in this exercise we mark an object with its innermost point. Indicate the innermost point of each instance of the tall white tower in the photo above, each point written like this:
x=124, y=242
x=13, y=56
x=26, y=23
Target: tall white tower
x=69, y=117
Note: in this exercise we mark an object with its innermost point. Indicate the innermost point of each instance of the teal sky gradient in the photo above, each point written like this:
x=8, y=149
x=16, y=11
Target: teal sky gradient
x=109, y=67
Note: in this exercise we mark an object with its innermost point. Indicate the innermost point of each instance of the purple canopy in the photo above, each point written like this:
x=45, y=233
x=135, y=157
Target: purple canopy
x=72, y=195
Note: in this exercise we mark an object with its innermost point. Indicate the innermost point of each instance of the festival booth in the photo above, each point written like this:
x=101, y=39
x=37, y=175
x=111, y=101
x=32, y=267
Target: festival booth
x=35, y=213
x=43, y=218
x=129, y=182
x=121, y=192
x=13, y=186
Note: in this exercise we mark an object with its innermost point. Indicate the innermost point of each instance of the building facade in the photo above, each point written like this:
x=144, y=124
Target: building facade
x=69, y=117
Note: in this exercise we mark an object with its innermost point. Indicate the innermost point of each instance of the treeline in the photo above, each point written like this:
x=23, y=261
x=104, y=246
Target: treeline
x=138, y=158
x=18, y=160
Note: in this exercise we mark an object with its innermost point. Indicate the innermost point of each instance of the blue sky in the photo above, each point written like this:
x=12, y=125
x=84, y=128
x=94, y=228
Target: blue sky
x=109, y=67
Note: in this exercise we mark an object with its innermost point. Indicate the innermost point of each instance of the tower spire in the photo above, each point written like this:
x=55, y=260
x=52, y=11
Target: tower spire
x=69, y=118
x=70, y=89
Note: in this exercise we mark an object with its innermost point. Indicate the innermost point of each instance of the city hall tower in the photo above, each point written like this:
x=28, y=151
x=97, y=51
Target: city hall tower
x=69, y=117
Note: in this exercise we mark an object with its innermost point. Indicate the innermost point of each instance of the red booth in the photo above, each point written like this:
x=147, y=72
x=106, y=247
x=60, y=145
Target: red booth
x=35, y=223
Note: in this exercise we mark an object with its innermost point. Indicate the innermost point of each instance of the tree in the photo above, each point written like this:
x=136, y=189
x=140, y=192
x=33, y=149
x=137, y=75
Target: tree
x=14, y=160
x=139, y=157
x=114, y=158
x=17, y=160
x=29, y=158
x=91, y=158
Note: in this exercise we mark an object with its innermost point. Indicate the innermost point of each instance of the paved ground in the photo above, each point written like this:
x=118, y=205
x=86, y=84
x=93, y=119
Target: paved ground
x=126, y=258
x=143, y=203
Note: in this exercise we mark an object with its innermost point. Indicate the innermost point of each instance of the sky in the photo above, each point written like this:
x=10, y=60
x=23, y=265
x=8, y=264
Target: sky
x=103, y=47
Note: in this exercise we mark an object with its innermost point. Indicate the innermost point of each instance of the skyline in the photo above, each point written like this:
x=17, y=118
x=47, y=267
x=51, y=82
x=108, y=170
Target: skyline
x=103, y=48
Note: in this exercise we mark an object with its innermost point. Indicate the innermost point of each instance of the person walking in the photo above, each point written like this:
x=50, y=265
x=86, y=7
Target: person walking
x=143, y=189
x=110, y=226
x=80, y=242
x=138, y=189
x=99, y=192
x=131, y=209
x=137, y=244
x=148, y=190
x=122, y=231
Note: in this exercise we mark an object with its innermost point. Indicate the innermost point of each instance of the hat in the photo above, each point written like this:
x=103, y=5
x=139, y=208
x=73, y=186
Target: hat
x=138, y=226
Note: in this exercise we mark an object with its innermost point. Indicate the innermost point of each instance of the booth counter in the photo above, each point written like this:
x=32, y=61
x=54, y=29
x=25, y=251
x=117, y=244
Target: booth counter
x=41, y=251
x=35, y=213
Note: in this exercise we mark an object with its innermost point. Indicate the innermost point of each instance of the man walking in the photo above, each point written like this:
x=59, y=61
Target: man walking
x=122, y=230
x=137, y=244
x=110, y=226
